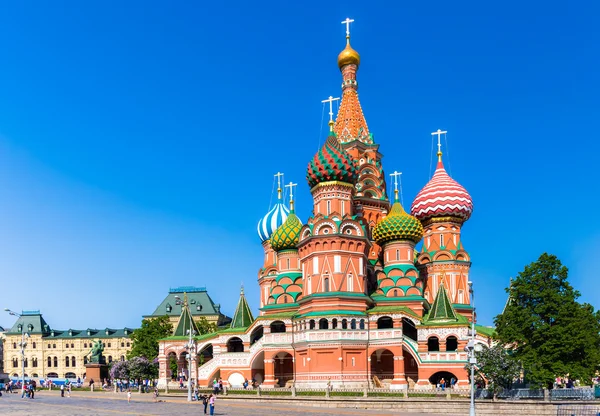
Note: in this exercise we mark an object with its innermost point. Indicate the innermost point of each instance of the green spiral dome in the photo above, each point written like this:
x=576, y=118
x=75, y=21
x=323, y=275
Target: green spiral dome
x=286, y=237
x=398, y=225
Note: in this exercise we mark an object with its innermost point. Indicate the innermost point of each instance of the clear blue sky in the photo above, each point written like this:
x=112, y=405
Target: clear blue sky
x=138, y=140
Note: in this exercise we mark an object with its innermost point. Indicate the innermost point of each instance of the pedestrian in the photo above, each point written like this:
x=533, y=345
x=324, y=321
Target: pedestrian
x=69, y=390
x=62, y=390
x=212, y=403
x=128, y=395
x=215, y=386
x=205, y=402
x=156, y=393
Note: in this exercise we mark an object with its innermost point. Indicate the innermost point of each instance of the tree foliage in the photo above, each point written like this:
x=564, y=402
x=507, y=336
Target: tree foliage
x=119, y=369
x=498, y=366
x=550, y=332
x=141, y=368
x=205, y=327
x=145, y=339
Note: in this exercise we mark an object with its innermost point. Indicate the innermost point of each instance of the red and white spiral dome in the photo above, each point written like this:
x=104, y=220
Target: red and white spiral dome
x=442, y=197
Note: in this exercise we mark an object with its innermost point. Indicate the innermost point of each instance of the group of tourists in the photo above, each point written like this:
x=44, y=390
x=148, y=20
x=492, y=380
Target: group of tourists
x=443, y=383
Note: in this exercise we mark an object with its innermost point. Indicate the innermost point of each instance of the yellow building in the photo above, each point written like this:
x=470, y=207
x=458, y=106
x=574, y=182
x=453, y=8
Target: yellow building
x=58, y=353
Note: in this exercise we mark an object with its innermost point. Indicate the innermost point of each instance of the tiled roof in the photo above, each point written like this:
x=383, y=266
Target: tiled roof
x=185, y=323
x=242, y=318
x=200, y=303
x=442, y=310
x=32, y=322
x=89, y=333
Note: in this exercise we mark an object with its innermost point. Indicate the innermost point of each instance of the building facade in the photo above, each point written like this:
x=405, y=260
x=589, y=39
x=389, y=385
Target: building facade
x=362, y=293
x=58, y=353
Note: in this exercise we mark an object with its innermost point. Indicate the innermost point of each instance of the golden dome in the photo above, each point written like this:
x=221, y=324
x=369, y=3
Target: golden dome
x=348, y=56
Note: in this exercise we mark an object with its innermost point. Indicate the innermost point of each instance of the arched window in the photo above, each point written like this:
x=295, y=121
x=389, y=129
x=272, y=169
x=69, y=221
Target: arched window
x=395, y=293
x=344, y=324
x=350, y=283
x=34, y=362
x=408, y=329
x=328, y=207
x=122, y=358
x=362, y=325
x=334, y=323
x=110, y=358
x=53, y=345
x=326, y=284
x=451, y=343
x=312, y=324
x=67, y=361
x=441, y=240
x=433, y=344
x=85, y=345
x=353, y=324
x=33, y=344
x=73, y=362
x=122, y=345
x=49, y=362
x=15, y=362
x=397, y=254
x=385, y=322
x=55, y=361
x=323, y=323
x=25, y=362
x=277, y=327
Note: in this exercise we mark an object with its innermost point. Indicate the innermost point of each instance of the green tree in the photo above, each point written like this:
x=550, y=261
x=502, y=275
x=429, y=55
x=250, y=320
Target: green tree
x=145, y=339
x=140, y=368
x=498, y=366
x=550, y=332
x=205, y=327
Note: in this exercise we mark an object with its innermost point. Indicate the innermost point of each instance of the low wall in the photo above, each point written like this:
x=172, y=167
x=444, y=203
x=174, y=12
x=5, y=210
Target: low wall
x=434, y=407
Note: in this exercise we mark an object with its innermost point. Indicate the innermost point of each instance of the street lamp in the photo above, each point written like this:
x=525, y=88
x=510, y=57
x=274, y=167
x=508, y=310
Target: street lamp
x=472, y=348
x=23, y=345
x=190, y=347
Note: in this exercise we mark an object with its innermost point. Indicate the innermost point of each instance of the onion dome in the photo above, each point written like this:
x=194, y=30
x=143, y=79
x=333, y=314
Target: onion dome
x=287, y=236
x=442, y=197
x=396, y=226
x=273, y=219
x=348, y=56
x=331, y=163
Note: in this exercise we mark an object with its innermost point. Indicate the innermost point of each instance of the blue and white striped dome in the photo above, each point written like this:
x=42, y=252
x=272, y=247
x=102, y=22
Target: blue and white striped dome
x=270, y=222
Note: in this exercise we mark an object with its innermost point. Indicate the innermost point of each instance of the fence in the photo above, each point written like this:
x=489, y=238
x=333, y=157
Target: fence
x=585, y=393
x=577, y=410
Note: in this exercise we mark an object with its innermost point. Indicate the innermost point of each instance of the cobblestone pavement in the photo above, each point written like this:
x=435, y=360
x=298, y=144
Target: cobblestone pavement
x=108, y=404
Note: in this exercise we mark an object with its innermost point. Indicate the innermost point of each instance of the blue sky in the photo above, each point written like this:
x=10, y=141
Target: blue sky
x=138, y=140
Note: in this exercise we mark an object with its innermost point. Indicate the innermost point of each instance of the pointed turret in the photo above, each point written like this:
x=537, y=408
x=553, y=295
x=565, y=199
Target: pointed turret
x=442, y=310
x=185, y=321
x=243, y=315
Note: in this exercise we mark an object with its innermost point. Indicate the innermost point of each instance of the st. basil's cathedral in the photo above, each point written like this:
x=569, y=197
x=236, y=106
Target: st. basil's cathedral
x=347, y=299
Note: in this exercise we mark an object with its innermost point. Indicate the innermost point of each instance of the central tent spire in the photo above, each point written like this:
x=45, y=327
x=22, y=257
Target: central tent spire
x=350, y=124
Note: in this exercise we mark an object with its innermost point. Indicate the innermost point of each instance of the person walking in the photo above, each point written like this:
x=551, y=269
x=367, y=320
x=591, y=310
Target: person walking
x=128, y=395
x=69, y=390
x=62, y=390
x=211, y=402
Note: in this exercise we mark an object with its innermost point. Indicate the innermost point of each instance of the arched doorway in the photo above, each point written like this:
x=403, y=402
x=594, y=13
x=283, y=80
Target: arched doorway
x=382, y=364
x=284, y=368
x=258, y=367
x=235, y=344
x=256, y=334
x=70, y=375
x=433, y=344
x=171, y=365
x=446, y=376
x=411, y=367
x=52, y=375
x=451, y=343
x=205, y=354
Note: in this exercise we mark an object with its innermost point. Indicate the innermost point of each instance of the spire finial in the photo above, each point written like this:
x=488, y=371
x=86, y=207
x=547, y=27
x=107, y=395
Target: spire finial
x=395, y=175
x=439, y=143
x=185, y=303
x=279, y=175
x=291, y=185
x=330, y=100
x=347, y=23
x=242, y=289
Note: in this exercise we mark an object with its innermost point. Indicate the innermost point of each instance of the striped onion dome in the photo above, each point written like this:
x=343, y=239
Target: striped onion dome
x=272, y=220
x=331, y=163
x=442, y=197
x=397, y=226
x=287, y=236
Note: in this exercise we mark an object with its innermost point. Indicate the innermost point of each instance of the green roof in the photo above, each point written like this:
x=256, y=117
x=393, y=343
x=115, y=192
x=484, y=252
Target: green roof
x=393, y=309
x=186, y=324
x=89, y=333
x=242, y=318
x=199, y=301
x=442, y=310
x=32, y=322
x=485, y=330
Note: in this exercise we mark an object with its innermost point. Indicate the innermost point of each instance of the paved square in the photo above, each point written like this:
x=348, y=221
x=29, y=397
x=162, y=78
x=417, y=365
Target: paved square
x=110, y=404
